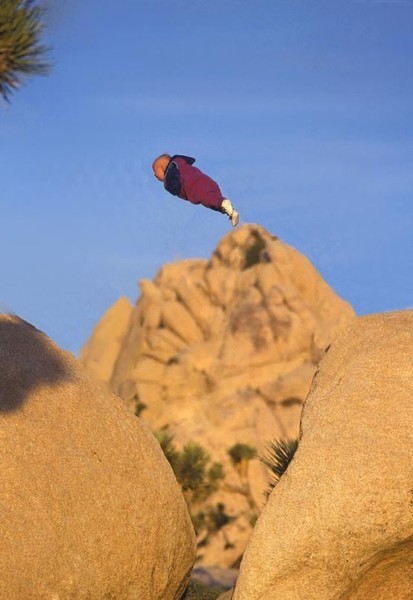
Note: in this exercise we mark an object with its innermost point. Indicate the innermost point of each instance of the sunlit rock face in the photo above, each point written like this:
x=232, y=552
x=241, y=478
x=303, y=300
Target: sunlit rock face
x=339, y=523
x=223, y=351
x=90, y=507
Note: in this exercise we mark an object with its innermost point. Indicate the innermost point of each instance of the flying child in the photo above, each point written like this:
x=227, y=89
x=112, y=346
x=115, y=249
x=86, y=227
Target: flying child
x=182, y=179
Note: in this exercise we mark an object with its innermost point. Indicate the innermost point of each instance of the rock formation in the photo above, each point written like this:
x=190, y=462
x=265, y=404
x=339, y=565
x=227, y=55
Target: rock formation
x=106, y=341
x=89, y=505
x=221, y=352
x=339, y=524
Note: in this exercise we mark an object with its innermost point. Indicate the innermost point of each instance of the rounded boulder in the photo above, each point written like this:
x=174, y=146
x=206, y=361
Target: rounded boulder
x=90, y=508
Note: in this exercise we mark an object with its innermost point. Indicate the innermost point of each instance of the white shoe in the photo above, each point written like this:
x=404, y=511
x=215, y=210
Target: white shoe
x=229, y=210
x=234, y=218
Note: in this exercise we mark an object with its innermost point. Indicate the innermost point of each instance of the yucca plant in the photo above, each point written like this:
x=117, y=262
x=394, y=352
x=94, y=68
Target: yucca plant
x=192, y=468
x=279, y=456
x=240, y=455
x=197, y=477
x=21, y=52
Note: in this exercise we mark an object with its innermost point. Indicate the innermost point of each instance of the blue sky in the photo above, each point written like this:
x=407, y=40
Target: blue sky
x=301, y=110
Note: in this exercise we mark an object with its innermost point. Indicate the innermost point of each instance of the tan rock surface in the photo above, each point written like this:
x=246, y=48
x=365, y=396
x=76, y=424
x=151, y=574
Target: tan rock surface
x=107, y=341
x=339, y=524
x=90, y=507
x=236, y=347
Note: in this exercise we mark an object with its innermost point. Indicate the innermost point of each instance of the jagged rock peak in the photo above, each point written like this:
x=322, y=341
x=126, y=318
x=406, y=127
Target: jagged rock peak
x=243, y=248
x=222, y=351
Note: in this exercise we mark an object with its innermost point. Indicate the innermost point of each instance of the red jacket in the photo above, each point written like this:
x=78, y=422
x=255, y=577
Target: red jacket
x=189, y=183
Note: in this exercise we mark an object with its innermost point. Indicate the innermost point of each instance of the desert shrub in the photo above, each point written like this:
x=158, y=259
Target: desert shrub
x=240, y=455
x=191, y=469
x=239, y=452
x=278, y=457
x=216, y=517
x=196, y=475
x=215, y=474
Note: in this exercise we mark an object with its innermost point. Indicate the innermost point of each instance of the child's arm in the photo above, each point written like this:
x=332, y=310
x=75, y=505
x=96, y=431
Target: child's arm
x=172, y=180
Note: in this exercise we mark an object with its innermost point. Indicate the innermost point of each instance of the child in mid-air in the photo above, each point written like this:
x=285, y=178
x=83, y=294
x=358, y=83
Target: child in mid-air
x=182, y=179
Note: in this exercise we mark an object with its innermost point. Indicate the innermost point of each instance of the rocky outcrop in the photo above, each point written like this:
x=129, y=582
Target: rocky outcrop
x=339, y=524
x=107, y=340
x=90, y=507
x=223, y=351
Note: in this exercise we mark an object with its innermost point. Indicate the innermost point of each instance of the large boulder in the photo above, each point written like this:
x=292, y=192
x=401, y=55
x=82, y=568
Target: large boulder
x=222, y=352
x=89, y=506
x=339, y=524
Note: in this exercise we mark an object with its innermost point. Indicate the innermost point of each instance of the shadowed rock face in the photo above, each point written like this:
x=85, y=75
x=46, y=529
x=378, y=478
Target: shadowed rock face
x=340, y=522
x=89, y=506
x=28, y=362
x=223, y=352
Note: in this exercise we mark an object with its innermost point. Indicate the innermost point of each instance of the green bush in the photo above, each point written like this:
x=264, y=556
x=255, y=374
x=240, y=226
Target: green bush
x=239, y=452
x=197, y=477
x=194, y=473
x=215, y=517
